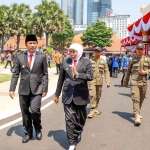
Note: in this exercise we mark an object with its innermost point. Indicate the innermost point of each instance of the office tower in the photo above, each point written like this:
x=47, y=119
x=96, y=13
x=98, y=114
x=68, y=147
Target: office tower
x=98, y=8
x=74, y=10
x=118, y=23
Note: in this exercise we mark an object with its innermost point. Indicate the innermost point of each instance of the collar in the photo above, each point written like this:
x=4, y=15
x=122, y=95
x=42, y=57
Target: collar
x=29, y=54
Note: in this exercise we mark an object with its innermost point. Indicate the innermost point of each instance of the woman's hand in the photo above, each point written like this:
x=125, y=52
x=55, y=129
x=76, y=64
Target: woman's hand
x=74, y=70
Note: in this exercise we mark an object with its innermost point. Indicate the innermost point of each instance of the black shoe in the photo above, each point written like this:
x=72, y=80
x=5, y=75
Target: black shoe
x=39, y=135
x=26, y=139
x=78, y=139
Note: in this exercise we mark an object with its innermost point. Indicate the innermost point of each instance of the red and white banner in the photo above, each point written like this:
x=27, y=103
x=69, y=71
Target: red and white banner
x=135, y=30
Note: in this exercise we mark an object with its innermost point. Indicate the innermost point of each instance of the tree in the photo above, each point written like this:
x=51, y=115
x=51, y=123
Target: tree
x=63, y=39
x=20, y=18
x=49, y=18
x=98, y=34
x=4, y=24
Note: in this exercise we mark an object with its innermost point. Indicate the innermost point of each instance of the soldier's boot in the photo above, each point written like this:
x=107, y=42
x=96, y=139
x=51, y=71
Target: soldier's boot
x=137, y=120
x=97, y=112
x=135, y=115
x=91, y=114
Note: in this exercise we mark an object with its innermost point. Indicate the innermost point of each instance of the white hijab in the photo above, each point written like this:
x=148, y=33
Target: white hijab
x=78, y=48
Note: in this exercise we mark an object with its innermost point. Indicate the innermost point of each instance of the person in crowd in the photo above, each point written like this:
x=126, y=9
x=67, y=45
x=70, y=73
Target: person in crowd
x=9, y=59
x=95, y=86
x=140, y=67
x=14, y=55
x=103, y=56
x=58, y=60
x=110, y=64
x=115, y=65
x=31, y=67
x=49, y=61
x=2, y=57
x=73, y=77
x=124, y=64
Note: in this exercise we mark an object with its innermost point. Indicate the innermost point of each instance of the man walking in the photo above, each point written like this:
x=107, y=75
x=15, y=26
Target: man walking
x=31, y=66
x=95, y=86
x=140, y=67
x=58, y=60
x=74, y=74
x=9, y=59
x=124, y=64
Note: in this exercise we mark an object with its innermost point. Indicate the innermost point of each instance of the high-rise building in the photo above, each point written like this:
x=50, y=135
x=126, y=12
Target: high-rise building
x=74, y=10
x=118, y=23
x=79, y=12
x=98, y=8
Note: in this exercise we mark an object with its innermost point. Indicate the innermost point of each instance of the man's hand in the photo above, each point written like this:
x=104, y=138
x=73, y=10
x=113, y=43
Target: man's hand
x=142, y=72
x=108, y=85
x=74, y=70
x=124, y=84
x=44, y=94
x=121, y=68
x=12, y=94
x=56, y=99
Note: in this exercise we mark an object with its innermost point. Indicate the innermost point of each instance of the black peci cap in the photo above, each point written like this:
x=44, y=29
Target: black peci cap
x=31, y=37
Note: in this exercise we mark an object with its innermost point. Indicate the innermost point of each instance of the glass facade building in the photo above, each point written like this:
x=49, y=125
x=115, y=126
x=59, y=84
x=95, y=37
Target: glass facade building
x=97, y=9
x=74, y=10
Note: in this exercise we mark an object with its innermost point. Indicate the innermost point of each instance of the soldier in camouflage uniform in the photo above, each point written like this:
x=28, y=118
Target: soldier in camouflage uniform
x=95, y=86
x=139, y=65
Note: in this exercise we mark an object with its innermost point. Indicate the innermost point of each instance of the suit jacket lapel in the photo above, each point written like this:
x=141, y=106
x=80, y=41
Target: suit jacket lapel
x=80, y=63
x=26, y=60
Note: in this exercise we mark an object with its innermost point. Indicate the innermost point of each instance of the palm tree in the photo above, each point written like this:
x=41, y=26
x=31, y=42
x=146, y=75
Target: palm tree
x=49, y=18
x=4, y=23
x=20, y=18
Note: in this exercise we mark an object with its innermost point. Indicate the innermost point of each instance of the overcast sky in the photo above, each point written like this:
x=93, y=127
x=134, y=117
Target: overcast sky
x=120, y=7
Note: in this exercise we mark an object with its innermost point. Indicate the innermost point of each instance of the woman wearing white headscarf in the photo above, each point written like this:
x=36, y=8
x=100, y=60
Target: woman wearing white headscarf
x=74, y=74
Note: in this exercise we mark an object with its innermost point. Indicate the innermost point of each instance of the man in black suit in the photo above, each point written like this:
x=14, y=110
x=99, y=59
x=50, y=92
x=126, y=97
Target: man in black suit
x=74, y=74
x=32, y=68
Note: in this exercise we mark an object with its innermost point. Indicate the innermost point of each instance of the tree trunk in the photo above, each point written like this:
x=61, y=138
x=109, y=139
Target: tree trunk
x=18, y=41
x=47, y=39
x=2, y=46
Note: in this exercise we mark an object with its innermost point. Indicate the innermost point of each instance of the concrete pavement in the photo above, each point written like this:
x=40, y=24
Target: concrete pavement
x=112, y=130
x=10, y=106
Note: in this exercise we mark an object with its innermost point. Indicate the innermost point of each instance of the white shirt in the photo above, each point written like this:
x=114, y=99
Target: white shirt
x=103, y=57
x=33, y=58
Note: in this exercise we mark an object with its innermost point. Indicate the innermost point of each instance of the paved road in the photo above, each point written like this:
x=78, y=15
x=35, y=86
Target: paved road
x=113, y=130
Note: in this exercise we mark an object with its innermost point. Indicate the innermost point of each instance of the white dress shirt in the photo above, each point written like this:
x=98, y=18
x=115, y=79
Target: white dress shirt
x=33, y=58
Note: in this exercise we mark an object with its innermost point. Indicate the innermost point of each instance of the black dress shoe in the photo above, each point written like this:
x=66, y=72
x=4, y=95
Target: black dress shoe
x=26, y=139
x=78, y=139
x=39, y=135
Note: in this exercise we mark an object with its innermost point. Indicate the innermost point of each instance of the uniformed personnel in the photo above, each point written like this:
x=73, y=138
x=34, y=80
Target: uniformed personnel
x=95, y=86
x=58, y=60
x=139, y=65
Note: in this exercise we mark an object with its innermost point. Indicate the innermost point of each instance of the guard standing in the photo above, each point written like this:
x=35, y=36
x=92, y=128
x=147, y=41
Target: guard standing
x=95, y=86
x=139, y=65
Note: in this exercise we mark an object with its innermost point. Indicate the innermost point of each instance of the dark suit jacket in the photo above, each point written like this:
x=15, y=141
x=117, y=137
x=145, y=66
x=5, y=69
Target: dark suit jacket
x=35, y=80
x=75, y=89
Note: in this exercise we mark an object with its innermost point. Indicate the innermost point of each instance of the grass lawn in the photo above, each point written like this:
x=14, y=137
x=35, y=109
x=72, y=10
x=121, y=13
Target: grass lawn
x=5, y=77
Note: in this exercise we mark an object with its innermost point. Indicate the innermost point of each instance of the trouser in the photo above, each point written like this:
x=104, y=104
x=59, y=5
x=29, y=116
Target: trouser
x=110, y=70
x=124, y=74
x=49, y=64
x=58, y=68
x=75, y=116
x=138, y=94
x=2, y=60
x=30, y=107
x=8, y=62
x=95, y=92
x=115, y=72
